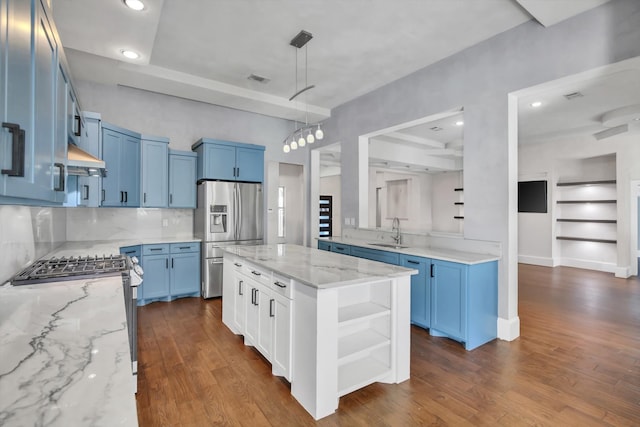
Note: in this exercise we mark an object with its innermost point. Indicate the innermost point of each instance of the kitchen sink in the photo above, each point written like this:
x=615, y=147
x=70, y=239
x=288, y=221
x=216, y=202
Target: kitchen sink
x=389, y=245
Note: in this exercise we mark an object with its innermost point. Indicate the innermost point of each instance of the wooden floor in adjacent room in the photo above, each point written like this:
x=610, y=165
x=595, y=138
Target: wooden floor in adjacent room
x=577, y=362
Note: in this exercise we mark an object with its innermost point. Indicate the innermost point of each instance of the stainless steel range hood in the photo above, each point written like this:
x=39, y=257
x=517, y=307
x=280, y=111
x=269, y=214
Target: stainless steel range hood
x=81, y=163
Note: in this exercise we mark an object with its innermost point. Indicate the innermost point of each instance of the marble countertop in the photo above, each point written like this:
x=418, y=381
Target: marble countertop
x=442, y=254
x=64, y=355
x=313, y=267
x=109, y=247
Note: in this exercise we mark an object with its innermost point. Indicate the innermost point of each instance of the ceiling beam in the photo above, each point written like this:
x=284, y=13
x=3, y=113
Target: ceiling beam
x=412, y=138
x=412, y=156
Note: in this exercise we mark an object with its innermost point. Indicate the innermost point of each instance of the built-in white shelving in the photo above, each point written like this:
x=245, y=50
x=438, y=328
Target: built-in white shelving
x=361, y=311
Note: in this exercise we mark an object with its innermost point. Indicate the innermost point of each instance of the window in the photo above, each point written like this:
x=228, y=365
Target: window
x=397, y=199
x=281, y=204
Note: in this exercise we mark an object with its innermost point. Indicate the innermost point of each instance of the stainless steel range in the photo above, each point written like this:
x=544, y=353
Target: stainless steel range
x=73, y=268
x=93, y=267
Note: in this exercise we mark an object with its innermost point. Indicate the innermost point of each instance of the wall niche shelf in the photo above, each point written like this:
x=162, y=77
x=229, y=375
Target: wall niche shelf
x=584, y=239
x=599, y=221
x=601, y=182
x=585, y=201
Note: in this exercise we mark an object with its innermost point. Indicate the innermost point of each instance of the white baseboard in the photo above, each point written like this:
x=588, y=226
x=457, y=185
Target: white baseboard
x=535, y=260
x=589, y=265
x=623, y=272
x=508, y=329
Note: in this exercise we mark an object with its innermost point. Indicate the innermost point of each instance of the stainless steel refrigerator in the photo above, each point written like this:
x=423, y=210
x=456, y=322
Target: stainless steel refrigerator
x=228, y=213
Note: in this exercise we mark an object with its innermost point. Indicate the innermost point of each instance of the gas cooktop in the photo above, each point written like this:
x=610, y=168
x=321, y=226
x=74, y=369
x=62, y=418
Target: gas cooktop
x=73, y=268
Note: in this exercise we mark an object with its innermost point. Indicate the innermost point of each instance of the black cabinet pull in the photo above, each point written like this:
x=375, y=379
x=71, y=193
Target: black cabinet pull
x=257, y=300
x=410, y=261
x=279, y=284
x=17, y=150
x=144, y=197
x=432, y=268
x=256, y=273
x=155, y=249
x=253, y=296
x=171, y=262
x=238, y=172
x=240, y=287
x=170, y=199
x=85, y=196
x=130, y=252
x=237, y=265
x=121, y=196
x=166, y=263
x=77, y=131
x=185, y=247
x=271, y=312
x=126, y=197
x=103, y=196
x=60, y=186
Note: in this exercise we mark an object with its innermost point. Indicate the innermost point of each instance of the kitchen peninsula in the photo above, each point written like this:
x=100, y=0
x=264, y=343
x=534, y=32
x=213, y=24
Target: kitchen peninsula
x=329, y=324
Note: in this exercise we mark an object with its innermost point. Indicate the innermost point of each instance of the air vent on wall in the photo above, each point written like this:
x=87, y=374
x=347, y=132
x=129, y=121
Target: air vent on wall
x=259, y=79
x=436, y=128
x=573, y=95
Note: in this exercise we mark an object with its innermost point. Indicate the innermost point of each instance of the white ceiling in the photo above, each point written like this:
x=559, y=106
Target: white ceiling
x=205, y=50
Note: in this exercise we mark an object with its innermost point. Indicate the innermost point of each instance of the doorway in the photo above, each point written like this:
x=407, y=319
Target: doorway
x=286, y=204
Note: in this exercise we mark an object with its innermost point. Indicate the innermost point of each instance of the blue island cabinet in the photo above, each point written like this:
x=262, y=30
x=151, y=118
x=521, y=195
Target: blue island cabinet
x=420, y=289
x=464, y=302
x=324, y=245
x=229, y=161
x=171, y=270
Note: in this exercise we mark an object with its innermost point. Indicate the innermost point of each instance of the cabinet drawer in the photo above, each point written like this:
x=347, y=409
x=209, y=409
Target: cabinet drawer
x=185, y=247
x=155, y=249
x=257, y=274
x=282, y=285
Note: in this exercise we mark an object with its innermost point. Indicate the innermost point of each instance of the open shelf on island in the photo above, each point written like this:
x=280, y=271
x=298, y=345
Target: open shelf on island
x=583, y=239
x=358, y=345
x=601, y=182
x=600, y=221
x=359, y=373
x=360, y=312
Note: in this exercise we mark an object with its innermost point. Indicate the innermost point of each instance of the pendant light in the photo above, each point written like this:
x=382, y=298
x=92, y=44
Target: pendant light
x=297, y=138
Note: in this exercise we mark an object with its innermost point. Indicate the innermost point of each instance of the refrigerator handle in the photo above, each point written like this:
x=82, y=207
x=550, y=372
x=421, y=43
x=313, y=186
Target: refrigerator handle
x=236, y=207
x=239, y=223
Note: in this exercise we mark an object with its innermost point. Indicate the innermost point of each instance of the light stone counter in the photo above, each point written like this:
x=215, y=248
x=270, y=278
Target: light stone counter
x=442, y=254
x=64, y=355
x=312, y=267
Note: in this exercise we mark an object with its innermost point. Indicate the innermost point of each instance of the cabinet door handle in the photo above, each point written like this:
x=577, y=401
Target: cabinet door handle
x=240, y=287
x=257, y=273
x=253, y=296
x=17, y=150
x=185, y=247
x=144, y=197
x=155, y=249
x=60, y=186
x=171, y=262
x=410, y=261
x=237, y=265
x=85, y=196
x=126, y=197
x=257, y=300
x=271, y=312
x=432, y=270
x=279, y=284
x=166, y=263
x=170, y=199
x=77, y=132
x=130, y=252
x=103, y=196
x=237, y=172
x=121, y=196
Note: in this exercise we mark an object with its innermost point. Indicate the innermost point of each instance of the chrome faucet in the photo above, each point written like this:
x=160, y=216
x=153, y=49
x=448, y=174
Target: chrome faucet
x=395, y=226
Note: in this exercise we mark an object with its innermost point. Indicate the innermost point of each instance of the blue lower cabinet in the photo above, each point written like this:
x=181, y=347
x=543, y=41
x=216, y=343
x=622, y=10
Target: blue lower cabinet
x=132, y=251
x=324, y=246
x=341, y=249
x=464, y=302
x=170, y=271
x=420, y=289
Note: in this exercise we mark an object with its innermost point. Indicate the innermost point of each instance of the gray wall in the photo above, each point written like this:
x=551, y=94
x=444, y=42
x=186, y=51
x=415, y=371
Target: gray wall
x=479, y=79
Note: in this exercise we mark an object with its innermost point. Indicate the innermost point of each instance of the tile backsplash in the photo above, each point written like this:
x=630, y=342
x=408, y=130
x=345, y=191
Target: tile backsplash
x=28, y=233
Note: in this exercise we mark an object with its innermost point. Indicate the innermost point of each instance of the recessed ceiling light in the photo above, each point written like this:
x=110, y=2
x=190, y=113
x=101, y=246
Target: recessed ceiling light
x=134, y=4
x=459, y=123
x=130, y=54
x=536, y=104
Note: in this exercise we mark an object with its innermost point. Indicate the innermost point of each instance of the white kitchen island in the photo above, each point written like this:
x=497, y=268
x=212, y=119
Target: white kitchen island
x=330, y=324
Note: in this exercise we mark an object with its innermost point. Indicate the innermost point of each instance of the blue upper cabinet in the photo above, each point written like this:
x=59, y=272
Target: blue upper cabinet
x=182, y=179
x=229, y=161
x=121, y=154
x=32, y=164
x=90, y=140
x=155, y=171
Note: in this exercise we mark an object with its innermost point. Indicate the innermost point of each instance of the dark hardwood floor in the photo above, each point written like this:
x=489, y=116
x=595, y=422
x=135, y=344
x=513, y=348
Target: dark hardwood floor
x=577, y=362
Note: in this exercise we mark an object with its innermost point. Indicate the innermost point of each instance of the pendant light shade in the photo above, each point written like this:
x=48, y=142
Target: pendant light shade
x=312, y=131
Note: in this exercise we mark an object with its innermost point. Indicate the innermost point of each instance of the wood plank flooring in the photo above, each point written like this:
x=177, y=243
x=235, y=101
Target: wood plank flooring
x=577, y=362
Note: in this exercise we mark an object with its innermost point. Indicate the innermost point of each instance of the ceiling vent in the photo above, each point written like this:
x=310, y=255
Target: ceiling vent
x=259, y=79
x=436, y=128
x=573, y=95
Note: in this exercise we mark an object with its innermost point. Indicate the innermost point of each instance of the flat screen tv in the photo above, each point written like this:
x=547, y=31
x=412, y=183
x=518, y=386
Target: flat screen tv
x=532, y=196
